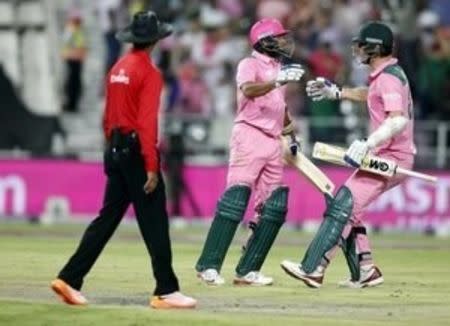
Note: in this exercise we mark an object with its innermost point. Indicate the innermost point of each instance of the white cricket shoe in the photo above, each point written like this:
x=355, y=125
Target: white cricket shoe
x=313, y=280
x=370, y=276
x=211, y=276
x=253, y=278
x=348, y=283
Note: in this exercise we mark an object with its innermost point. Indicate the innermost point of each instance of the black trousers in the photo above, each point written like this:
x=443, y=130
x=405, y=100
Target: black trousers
x=73, y=86
x=126, y=173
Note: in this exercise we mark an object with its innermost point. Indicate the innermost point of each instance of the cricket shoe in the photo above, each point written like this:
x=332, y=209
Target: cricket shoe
x=67, y=293
x=370, y=276
x=211, y=276
x=254, y=279
x=313, y=280
x=175, y=300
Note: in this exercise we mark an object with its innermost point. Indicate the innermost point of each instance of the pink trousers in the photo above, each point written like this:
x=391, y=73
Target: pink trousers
x=365, y=188
x=255, y=160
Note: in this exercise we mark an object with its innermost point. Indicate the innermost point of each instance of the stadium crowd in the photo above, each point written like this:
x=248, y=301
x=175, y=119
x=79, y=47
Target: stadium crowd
x=200, y=58
x=211, y=37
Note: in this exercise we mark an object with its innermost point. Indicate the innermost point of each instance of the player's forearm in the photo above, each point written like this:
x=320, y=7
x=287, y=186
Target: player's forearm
x=358, y=94
x=257, y=89
x=391, y=126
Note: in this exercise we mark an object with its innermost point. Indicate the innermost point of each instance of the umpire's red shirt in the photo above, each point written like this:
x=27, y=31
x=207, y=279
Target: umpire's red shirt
x=133, y=89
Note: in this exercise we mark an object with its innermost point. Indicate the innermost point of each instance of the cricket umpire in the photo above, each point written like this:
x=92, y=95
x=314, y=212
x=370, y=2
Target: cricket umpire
x=131, y=163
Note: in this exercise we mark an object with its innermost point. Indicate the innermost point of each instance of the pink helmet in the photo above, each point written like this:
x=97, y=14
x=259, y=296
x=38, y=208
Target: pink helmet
x=266, y=27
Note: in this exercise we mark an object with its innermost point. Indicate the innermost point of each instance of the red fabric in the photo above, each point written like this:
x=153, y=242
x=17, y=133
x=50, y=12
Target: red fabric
x=325, y=64
x=133, y=89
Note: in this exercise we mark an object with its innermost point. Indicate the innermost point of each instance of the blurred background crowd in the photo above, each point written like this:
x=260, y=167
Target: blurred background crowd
x=199, y=62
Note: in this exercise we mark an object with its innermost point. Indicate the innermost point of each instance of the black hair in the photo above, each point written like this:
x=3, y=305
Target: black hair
x=142, y=46
x=385, y=50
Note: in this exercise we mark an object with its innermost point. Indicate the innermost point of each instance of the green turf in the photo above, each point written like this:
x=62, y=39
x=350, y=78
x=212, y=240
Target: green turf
x=416, y=291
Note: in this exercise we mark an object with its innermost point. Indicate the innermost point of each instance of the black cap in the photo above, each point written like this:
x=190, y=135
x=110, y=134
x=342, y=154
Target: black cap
x=145, y=28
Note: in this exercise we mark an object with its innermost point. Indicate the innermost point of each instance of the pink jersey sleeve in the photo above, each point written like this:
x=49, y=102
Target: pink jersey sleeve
x=392, y=93
x=246, y=72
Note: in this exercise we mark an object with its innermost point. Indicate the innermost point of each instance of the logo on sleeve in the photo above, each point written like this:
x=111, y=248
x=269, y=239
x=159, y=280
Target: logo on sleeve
x=120, y=78
x=392, y=96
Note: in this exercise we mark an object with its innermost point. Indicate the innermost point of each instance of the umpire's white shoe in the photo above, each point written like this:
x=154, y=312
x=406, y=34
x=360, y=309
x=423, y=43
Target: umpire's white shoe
x=254, y=278
x=174, y=300
x=370, y=276
x=313, y=280
x=211, y=277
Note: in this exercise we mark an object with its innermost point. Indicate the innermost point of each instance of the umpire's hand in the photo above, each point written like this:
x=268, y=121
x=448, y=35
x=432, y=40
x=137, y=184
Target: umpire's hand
x=152, y=182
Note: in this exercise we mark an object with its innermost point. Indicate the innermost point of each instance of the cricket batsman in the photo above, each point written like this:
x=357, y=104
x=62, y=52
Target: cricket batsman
x=256, y=161
x=390, y=106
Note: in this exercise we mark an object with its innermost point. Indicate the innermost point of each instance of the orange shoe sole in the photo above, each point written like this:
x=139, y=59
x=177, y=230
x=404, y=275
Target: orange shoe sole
x=61, y=288
x=158, y=303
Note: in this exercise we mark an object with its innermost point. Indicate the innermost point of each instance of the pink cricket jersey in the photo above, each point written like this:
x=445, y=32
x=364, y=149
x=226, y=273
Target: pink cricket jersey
x=265, y=112
x=388, y=92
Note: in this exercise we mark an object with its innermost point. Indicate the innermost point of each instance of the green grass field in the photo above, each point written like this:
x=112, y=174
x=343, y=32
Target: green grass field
x=416, y=289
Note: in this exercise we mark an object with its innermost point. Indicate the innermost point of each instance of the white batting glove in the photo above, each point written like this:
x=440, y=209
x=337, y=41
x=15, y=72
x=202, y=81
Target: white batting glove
x=321, y=88
x=289, y=73
x=356, y=153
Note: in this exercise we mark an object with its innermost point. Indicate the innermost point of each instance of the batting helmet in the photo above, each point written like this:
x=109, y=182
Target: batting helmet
x=267, y=36
x=374, y=39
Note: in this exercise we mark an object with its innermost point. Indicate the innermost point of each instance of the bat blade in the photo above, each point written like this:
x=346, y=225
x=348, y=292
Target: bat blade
x=377, y=165
x=309, y=170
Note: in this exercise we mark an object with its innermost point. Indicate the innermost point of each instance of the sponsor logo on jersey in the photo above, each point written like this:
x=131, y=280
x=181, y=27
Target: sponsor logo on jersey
x=121, y=78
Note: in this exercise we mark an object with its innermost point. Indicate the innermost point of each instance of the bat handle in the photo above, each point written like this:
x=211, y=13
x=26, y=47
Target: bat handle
x=293, y=146
x=426, y=177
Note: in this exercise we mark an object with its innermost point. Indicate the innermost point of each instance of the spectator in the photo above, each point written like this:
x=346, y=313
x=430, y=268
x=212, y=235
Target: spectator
x=234, y=8
x=74, y=55
x=194, y=97
x=134, y=6
x=278, y=9
x=434, y=70
x=327, y=63
x=110, y=19
x=348, y=16
x=305, y=36
x=434, y=76
x=442, y=7
x=213, y=49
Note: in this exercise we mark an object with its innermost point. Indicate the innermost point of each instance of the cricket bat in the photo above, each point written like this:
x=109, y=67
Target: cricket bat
x=378, y=165
x=308, y=169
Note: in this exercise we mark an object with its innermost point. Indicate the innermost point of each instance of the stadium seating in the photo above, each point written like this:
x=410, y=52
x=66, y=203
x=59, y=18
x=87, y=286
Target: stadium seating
x=27, y=86
x=38, y=91
x=26, y=55
x=9, y=54
x=6, y=13
x=31, y=13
